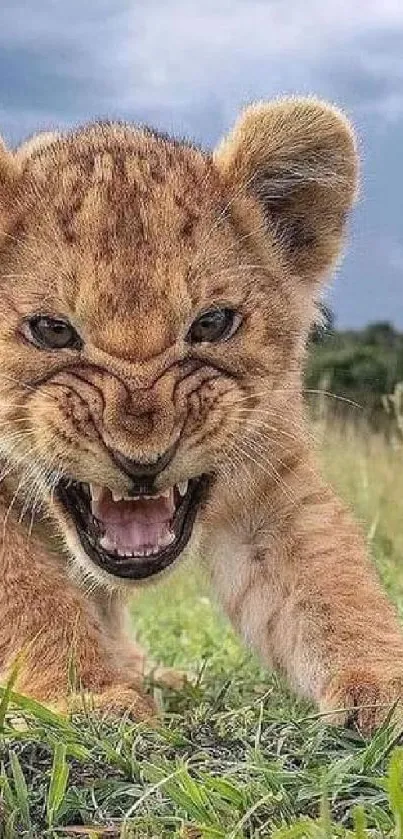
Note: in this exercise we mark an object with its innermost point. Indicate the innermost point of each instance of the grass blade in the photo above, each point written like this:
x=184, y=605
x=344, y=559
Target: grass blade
x=6, y=691
x=394, y=786
x=21, y=790
x=58, y=783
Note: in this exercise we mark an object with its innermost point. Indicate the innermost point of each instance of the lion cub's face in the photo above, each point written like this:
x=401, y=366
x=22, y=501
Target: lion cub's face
x=152, y=296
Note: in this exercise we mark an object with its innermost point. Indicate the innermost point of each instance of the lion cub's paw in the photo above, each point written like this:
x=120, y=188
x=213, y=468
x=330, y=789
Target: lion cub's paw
x=168, y=677
x=116, y=701
x=363, y=699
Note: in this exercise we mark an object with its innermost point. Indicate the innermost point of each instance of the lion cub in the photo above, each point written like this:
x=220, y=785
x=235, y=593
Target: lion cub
x=155, y=306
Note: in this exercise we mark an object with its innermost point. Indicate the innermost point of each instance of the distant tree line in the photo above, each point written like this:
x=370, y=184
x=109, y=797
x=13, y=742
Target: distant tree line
x=360, y=365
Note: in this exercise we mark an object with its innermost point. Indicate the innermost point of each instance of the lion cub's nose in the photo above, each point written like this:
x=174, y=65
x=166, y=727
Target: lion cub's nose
x=139, y=470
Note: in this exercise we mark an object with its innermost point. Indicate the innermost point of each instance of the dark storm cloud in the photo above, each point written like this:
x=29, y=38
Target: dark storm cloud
x=188, y=68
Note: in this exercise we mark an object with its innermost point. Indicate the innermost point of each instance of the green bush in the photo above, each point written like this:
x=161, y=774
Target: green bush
x=361, y=366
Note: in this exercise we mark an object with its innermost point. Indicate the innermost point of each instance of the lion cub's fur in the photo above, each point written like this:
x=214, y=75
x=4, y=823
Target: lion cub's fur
x=130, y=235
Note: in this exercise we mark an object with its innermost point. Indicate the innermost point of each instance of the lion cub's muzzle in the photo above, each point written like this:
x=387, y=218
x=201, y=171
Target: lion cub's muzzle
x=143, y=475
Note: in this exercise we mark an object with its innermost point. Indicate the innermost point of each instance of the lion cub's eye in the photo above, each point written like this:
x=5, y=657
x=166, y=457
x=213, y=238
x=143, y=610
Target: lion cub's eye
x=213, y=325
x=51, y=333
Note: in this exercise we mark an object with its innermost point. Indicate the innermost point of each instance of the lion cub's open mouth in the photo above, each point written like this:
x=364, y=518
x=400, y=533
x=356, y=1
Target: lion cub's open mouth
x=134, y=537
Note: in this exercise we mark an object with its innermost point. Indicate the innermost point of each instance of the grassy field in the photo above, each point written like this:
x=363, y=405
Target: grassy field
x=235, y=754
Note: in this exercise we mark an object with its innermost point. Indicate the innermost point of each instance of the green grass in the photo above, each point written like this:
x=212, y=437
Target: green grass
x=235, y=755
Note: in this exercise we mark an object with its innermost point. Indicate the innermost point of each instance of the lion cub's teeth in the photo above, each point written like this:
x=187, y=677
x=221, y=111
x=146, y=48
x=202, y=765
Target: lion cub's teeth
x=183, y=487
x=96, y=492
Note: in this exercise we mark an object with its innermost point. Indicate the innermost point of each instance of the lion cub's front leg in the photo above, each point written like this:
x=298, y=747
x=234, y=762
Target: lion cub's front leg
x=306, y=597
x=68, y=644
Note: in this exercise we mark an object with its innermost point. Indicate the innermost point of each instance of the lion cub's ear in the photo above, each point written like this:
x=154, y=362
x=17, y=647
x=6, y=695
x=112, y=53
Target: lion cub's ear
x=9, y=177
x=35, y=144
x=298, y=159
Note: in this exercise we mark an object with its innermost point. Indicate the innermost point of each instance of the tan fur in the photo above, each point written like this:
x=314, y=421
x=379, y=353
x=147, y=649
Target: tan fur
x=131, y=235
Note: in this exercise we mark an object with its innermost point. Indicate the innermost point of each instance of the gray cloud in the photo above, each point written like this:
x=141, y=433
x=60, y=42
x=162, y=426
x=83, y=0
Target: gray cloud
x=188, y=68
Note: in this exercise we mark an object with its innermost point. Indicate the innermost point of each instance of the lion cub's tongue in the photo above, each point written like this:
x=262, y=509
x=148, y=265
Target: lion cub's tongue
x=139, y=526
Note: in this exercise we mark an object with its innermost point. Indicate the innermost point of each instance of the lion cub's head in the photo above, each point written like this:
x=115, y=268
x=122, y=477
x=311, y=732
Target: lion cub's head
x=154, y=298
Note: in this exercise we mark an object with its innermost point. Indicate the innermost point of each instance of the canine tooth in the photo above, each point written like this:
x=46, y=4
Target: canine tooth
x=167, y=539
x=117, y=496
x=106, y=543
x=96, y=492
x=183, y=487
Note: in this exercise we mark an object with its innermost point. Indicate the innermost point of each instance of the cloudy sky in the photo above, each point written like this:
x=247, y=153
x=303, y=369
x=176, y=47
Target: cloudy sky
x=188, y=67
